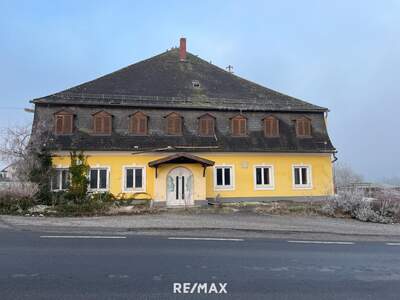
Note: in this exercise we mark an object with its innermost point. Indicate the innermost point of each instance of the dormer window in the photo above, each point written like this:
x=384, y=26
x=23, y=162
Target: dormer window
x=239, y=126
x=196, y=84
x=63, y=122
x=173, y=124
x=303, y=127
x=138, y=123
x=206, y=125
x=271, y=126
x=102, y=123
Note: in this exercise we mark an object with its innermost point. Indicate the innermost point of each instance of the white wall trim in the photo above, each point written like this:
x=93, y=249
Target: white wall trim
x=264, y=187
x=123, y=178
x=224, y=188
x=102, y=167
x=58, y=168
x=309, y=186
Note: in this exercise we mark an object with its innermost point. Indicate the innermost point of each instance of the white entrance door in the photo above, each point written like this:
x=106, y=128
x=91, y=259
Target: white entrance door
x=180, y=187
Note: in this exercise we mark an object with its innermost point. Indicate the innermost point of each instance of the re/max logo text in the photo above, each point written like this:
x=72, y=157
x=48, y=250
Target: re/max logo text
x=199, y=288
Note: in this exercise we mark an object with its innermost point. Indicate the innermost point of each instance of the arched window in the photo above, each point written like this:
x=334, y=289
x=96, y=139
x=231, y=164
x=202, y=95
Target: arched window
x=138, y=123
x=102, y=123
x=303, y=127
x=271, y=126
x=206, y=125
x=173, y=124
x=239, y=125
x=63, y=122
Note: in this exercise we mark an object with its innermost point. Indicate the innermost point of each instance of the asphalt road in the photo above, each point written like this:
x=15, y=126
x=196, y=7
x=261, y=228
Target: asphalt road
x=146, y=267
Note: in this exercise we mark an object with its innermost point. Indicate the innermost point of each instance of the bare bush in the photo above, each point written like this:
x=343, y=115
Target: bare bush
x=20, y=190
x=354, y=203
x=17, y=197
x=387, y=203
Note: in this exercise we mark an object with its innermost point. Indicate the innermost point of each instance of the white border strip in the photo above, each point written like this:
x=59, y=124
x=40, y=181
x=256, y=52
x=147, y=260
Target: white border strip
x=204, y=239
x=322, y=242
x=81, y=237
x=393, y=244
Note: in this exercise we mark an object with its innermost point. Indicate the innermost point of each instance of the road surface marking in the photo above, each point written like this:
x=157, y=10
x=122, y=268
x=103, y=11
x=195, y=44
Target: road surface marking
x=205, y=239
x=322, y=242
x=393, y=244
x=81, y=237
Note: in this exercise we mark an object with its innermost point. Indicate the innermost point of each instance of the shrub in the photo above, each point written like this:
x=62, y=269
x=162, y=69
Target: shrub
x=17, y=198
x=92, y=204
x=383, y=209
x=79, y=169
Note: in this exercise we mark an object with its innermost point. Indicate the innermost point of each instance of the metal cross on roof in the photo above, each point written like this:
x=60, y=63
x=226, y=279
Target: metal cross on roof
x=230, y=69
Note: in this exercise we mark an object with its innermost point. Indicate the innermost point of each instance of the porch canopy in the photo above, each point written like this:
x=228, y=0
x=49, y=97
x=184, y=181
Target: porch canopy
x=182, y=158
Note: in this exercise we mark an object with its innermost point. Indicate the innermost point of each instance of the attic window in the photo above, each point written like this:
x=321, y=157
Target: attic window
x=138, y=125
x=303, y=127
x=271, y=126
x=173, y=124
x=239, y=126
x=63, y=122
x=196, y=84
x=206, y=125
x=102, y=123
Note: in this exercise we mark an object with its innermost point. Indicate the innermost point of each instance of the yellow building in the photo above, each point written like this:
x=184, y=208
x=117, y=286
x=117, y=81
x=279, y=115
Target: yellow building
x=181, y=131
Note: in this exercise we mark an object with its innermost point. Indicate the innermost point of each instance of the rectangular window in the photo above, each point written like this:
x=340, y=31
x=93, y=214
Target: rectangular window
x=239, y=126
x=302, y=176
x=98, y=179
x=223, y=177
x=134, y=179
x=102, y=123
x=264, y=177
x=174, y=124
x=64, y=124
x=206, y=126
x=60, y=180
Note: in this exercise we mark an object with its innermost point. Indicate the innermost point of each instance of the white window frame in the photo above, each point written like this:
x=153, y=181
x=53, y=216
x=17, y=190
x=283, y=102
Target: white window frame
x=231, y=187
x=309, y=177
x=133, y=190
x=262, y=187
x=59, y=169
x=107, y=168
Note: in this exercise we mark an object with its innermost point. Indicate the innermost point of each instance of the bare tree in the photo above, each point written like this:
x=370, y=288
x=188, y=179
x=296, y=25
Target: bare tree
x=344, y=175
x=19, y=148
x=14, y=149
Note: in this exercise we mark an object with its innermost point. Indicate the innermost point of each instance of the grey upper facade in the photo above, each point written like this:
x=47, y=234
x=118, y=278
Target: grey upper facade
x=190, y=87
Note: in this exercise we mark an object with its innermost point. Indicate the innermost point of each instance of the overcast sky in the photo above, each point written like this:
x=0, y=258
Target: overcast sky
x=344, y=55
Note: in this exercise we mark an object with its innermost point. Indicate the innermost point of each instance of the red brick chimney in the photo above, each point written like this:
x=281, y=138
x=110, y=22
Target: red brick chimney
x=182, y=49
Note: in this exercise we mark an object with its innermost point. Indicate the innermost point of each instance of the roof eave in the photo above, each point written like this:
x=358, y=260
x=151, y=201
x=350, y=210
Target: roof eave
x=153, y=105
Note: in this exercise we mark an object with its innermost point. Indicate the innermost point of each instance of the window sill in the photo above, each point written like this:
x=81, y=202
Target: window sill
x=98, y=190
x=264, y=188
x=130, y=191
x=302, y=187
x=227, y=188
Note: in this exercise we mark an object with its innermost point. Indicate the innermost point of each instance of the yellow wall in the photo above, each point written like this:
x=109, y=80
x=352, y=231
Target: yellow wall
x=322, y=177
